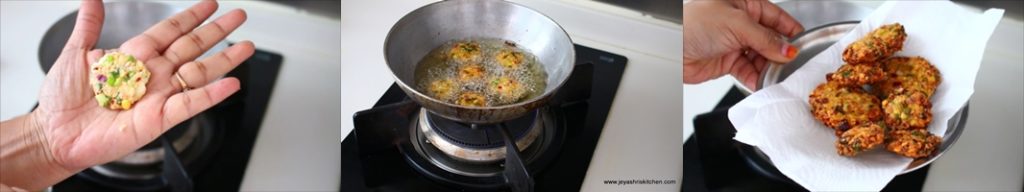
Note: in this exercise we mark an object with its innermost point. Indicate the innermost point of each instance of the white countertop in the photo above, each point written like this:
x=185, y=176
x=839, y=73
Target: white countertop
x=988, y=155
x=642, y=136
x=296, y=148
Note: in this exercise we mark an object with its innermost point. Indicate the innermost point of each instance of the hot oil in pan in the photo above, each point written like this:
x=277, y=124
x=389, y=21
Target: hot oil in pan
x=480, y=72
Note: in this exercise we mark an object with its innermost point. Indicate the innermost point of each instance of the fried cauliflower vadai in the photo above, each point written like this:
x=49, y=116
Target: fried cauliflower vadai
x=442, y=89
x=510, y=59
x=842, y=107
x=465, y=51
x=856, y=75
x=480, y=72
x=877, y=45
x=860, y=139
x=907, y=110
x=471, y=99
x=909, y=73
x=916, y=143
x=471, y=72
x=508, y=90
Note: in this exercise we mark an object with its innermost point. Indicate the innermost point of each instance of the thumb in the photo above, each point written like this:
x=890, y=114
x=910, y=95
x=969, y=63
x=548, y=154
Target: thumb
x=87, y=25
x=765, y=41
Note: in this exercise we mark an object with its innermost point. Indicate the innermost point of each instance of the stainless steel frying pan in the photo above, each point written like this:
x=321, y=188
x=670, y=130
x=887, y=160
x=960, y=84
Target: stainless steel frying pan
x=430, y=26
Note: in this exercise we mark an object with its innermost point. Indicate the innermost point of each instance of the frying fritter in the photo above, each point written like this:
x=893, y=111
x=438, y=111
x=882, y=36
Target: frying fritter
x=877, y=45
x=860, y=139
x=471, y=99
x=842, y=107
x=510, y=59
x=856, y=75
x=916, y=143
x=442, y=89
x=507, y=89
x=909, y=73
x=907, y=110
x=465, y=51
x=480, y=72
x=471, y=72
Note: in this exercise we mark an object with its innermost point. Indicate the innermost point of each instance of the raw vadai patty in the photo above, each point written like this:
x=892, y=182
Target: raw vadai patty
x=118, y=80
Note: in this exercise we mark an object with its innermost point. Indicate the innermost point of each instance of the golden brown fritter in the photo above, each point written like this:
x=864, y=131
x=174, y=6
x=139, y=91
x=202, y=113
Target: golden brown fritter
x=903, y=84
x=442, y=89
x=510, y=59
x=907, y=110
x=860, y=139
x=471, y=99
x=909, y=73
x=856, y=75
x=471, y=72
x=877, y=45
x=507, y=89
x=465, y=51
x=842, y=107
x=494, y=72
x=916, y=143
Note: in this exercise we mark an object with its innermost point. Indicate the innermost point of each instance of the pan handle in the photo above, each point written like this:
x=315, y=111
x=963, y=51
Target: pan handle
x=515, y=172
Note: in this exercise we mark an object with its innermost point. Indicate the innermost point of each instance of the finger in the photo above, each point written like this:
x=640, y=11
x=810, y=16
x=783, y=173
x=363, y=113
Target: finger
x=191, y=45
x=704, y=70
x=181, y=106
x=159, y=36
x=93, y=56
x=199, y=73
x=87, y=26
x=750, y=54
x=764, y=41
x=772, y=16
x=745, y=71
x=760, y=64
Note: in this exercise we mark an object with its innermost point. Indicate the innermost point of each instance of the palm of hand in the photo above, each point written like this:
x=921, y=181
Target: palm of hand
x=80, y=133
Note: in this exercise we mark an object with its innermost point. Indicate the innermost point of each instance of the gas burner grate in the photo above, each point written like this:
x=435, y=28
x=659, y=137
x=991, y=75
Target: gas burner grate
x=480, y=136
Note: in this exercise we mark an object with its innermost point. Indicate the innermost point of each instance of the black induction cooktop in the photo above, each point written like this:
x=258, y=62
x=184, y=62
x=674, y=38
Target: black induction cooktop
x=371, y=157
x=713, y=161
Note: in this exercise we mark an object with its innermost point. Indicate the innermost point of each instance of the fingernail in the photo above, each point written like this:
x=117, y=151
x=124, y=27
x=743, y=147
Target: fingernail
x=789, y=51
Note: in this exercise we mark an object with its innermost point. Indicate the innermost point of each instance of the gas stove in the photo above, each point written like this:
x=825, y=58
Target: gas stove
x=206, y=153
x=398, y=146
x=713, y=161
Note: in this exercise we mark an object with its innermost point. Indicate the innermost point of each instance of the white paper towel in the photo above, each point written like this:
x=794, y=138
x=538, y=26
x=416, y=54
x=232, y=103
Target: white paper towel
x=778, y=121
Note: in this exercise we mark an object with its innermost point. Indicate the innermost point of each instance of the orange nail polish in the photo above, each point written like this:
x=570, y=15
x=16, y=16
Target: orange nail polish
x=789, y=51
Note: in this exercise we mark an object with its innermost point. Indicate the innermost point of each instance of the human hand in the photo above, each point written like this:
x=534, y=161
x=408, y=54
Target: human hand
x=77, y=133
x=735, y=37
